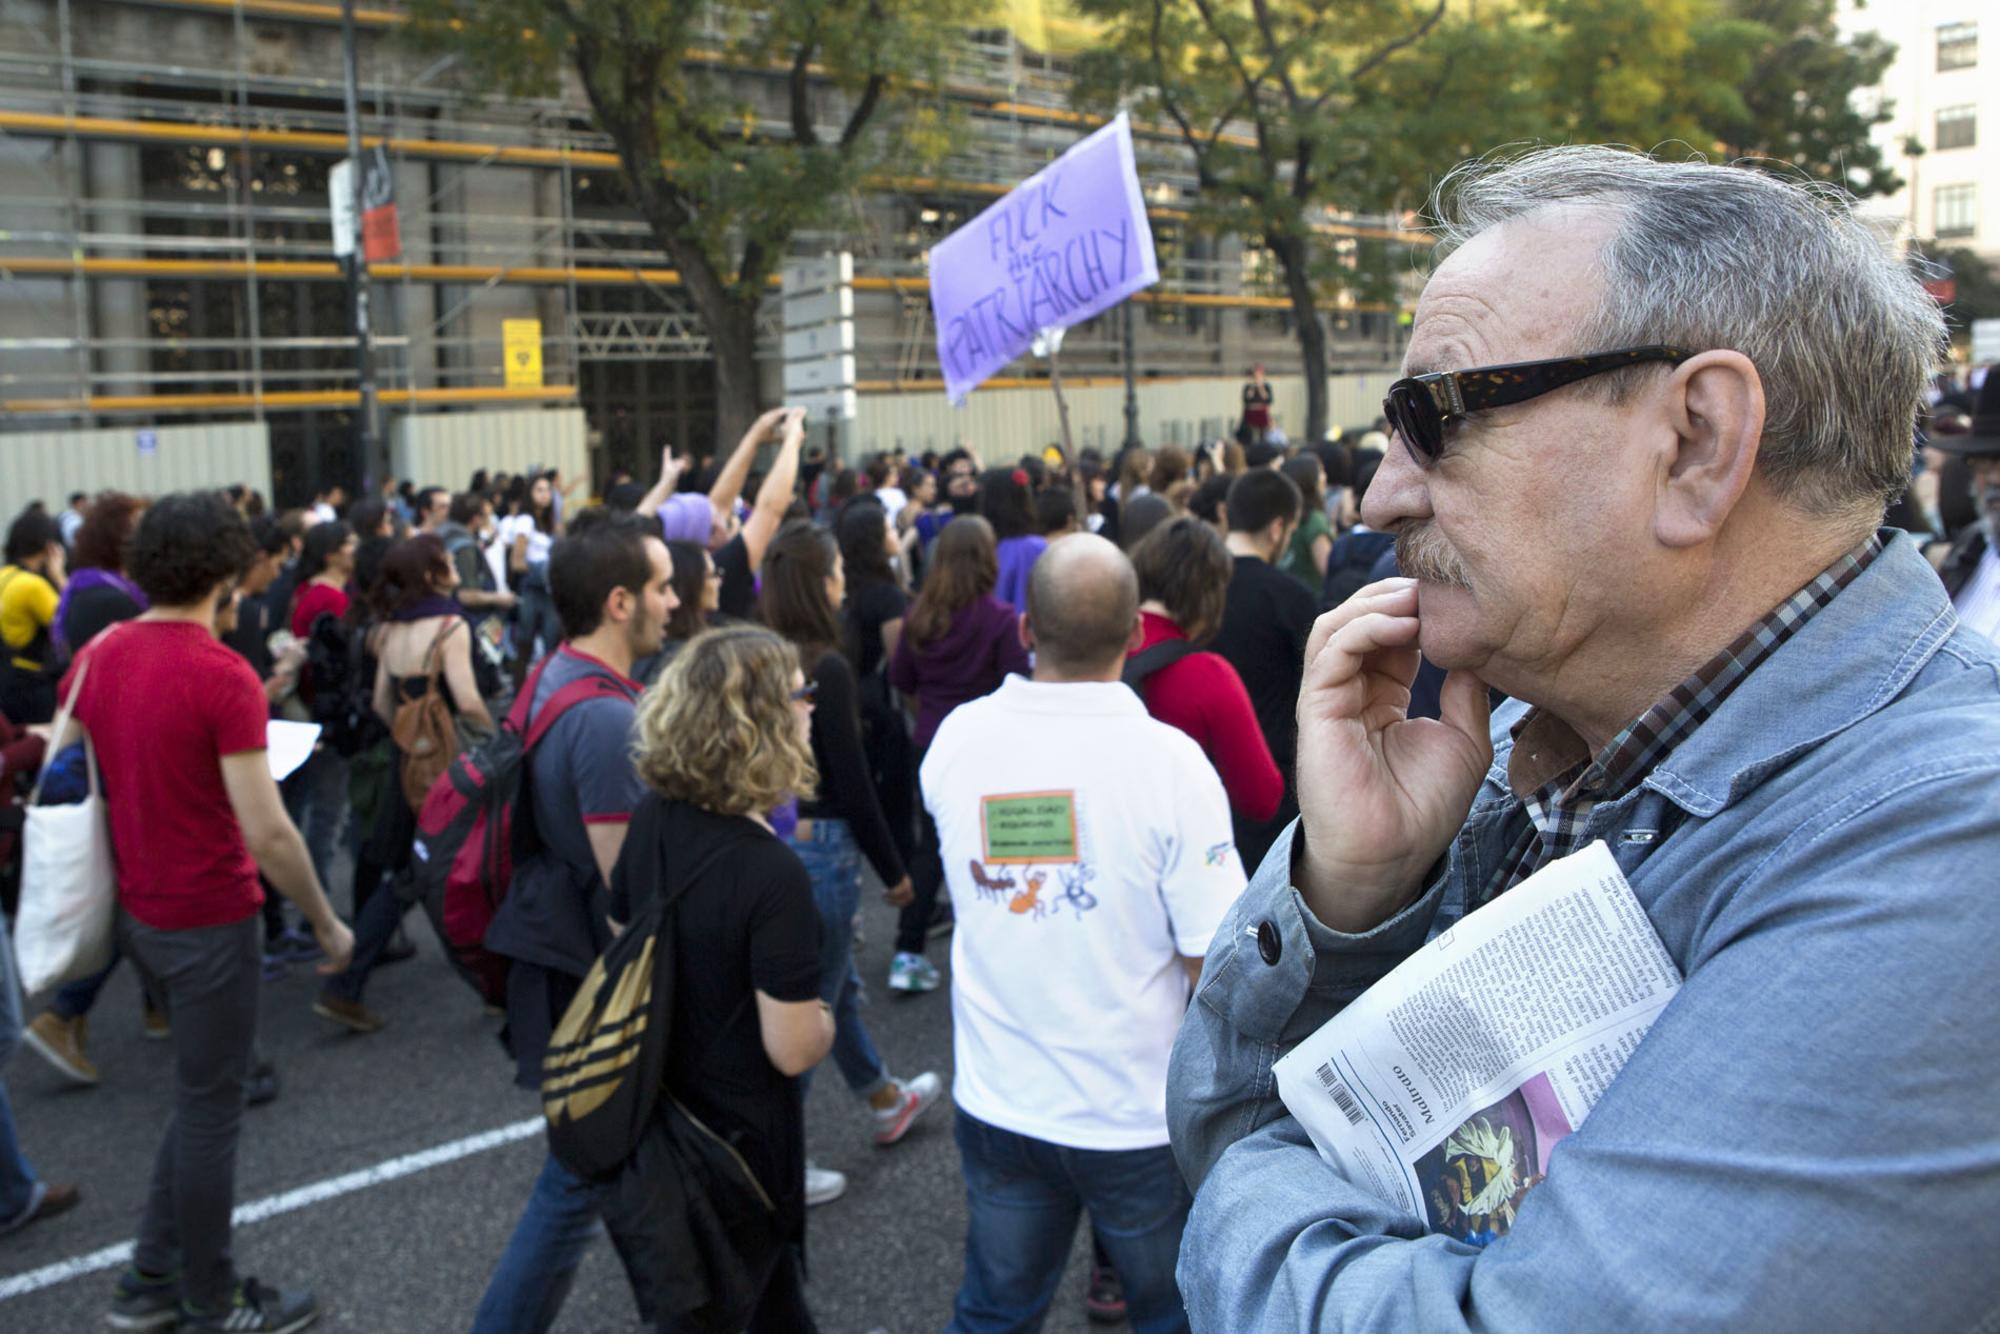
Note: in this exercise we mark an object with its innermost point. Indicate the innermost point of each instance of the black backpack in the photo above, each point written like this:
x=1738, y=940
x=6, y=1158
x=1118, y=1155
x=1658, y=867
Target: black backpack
x=606, y=1062
x=342, y=689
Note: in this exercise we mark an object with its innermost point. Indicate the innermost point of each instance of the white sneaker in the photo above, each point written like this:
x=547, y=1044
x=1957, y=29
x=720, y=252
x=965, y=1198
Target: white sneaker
x=823, y=1185
x=912, y=973
x=894, y=1121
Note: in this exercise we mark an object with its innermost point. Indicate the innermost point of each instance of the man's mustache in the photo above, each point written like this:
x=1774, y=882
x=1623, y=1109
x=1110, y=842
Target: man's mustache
x=1423, y=554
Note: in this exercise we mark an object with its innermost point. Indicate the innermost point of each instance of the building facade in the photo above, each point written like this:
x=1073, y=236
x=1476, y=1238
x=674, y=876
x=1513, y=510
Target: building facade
x=166, y=252
x=1944, y=134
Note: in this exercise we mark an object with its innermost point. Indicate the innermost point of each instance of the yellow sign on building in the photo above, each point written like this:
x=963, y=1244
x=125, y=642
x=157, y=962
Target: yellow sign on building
x=523, y=339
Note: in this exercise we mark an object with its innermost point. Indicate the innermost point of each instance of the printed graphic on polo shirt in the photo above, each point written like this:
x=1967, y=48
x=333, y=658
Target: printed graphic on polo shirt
x=1025, y=836
x=1021, y=828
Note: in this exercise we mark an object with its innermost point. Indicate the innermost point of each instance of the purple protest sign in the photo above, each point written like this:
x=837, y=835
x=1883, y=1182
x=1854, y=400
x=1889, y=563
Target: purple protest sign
x=1068, y=243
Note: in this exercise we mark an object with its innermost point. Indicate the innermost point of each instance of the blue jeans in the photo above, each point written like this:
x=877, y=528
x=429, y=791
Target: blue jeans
x=535, y=1272
x=833, y=860
x=316, y=799
x=374, y=927
x=1023, y=1197
x=17, y=1178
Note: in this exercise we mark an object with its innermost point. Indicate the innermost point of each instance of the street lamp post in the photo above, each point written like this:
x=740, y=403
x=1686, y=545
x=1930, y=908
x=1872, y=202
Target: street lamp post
x=366, y=467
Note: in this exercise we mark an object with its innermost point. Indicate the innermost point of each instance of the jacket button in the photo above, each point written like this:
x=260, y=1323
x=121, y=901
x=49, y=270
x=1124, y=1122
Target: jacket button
x=1269, y=944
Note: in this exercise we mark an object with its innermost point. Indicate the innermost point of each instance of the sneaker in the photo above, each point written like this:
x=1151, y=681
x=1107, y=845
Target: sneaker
x=144, y=1301
x=912, y=974
x=824, y=1185
x=894, y=1121
x=296, y=945
x=1104, y=1300
x=352, y=1015
x=260, y=1085
x=254, y=1309
x=59, y=1041
x=153, y=1022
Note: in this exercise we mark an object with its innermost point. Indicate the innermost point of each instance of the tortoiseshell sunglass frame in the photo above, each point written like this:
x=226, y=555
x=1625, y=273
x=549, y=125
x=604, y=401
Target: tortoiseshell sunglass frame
x=1418, y=406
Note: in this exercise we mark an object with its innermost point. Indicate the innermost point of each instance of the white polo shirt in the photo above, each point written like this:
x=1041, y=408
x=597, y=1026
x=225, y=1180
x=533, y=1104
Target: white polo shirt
x=1087, y=848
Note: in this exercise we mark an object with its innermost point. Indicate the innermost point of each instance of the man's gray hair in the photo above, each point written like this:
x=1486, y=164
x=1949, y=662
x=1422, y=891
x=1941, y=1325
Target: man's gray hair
x=1710, y=256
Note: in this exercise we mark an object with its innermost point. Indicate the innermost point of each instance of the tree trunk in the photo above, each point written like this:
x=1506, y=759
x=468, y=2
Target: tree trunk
x=1293, y=256
x=732, y=335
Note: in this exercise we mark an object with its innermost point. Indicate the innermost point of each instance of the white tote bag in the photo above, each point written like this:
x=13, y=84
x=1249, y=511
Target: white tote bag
x=69, y=882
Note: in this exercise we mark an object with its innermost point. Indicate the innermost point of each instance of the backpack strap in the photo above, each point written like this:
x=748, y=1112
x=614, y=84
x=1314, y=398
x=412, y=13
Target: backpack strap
x=434, y=655
x=1157, y=658
x=595, y=686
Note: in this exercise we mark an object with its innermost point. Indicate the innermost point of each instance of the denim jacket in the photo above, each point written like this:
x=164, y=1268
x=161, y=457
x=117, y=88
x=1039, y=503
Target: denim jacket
x=1808, y=1139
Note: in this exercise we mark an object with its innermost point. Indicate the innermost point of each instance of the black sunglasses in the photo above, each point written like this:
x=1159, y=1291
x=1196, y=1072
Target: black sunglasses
x=809, y=692
x=1418, y=406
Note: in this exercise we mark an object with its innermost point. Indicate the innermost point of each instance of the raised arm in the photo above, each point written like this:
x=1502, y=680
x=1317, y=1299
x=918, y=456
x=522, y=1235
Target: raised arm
x=774, y=497
x=671, y=469
x=729, y=482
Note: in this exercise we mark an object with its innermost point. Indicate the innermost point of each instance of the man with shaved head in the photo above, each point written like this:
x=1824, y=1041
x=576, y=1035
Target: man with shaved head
x=1653, y=415
x=1089, y=856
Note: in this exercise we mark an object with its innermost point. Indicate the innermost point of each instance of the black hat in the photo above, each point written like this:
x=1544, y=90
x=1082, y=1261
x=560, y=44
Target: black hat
x=1983, y=440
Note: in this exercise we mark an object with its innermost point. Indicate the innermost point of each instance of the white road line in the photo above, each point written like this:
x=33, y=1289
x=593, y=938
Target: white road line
x=20, y=1285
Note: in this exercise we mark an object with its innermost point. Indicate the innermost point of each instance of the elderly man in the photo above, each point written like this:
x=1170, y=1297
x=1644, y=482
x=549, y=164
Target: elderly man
x=1663, y=547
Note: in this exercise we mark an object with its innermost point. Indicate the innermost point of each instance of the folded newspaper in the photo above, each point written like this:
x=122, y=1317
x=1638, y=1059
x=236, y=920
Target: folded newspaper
x=1444, y=1087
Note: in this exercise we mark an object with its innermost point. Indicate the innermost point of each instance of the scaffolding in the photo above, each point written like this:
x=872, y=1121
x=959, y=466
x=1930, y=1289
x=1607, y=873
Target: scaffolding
x=218, y=125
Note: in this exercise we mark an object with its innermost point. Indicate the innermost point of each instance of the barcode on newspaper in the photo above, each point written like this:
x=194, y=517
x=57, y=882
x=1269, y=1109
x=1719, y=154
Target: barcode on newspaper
x=1343, y=1097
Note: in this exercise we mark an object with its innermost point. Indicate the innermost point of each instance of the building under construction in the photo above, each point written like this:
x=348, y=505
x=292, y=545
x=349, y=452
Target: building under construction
x=172, y=311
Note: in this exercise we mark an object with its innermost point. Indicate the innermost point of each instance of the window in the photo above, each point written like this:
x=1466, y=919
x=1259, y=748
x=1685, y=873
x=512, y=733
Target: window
x=1958, y=45
x=1957, y=127
x=1957, y=210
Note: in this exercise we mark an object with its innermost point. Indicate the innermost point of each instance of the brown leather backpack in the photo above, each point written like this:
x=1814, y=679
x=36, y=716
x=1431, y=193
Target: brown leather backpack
x=424, y=729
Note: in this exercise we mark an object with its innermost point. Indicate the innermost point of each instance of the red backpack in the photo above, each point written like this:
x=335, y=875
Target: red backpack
x=467, y=838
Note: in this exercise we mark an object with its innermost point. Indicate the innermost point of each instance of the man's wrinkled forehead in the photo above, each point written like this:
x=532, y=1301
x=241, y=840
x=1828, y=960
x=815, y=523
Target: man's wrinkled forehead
x=1517, y=292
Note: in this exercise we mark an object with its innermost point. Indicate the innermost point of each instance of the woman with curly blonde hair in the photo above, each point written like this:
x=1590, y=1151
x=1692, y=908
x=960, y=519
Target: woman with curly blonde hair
x=723, y=738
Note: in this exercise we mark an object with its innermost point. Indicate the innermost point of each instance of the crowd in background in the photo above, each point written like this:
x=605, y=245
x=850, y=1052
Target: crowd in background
x=884, y=596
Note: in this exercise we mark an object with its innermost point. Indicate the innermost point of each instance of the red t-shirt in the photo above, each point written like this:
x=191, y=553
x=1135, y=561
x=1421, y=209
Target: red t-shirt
x=164, y=702
x=1204, y=697
x=312, y=601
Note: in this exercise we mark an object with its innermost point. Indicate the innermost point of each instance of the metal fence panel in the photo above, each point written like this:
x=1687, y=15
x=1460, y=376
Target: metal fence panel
x=144, y=460
x=1006, y=423
x=446, y=448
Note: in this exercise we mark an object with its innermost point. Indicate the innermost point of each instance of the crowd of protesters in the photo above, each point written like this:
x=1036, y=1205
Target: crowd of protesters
x=1068, y=691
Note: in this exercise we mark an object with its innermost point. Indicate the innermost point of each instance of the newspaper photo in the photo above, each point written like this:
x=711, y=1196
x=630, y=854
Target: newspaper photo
x=1445, y=1086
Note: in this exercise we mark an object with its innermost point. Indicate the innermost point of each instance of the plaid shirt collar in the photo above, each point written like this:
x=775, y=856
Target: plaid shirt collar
x=1559, y=782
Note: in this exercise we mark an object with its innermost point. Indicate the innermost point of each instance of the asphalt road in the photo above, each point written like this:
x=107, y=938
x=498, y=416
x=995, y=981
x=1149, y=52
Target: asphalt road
x=413, y=1252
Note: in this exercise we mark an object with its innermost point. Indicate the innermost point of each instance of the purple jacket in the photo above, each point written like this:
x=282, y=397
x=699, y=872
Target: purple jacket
x=982, y=645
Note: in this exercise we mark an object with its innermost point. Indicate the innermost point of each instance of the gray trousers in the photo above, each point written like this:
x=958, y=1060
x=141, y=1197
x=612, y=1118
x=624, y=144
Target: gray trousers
x=207, y=978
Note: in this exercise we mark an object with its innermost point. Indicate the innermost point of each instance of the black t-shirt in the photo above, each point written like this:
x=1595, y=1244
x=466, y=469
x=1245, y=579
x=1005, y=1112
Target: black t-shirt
x=748, y=924
x=846, y=791
x=1265, y=624
x=739, y=582
x=870, y=606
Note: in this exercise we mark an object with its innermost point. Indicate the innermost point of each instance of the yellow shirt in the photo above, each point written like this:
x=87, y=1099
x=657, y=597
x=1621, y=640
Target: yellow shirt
x=27, y=607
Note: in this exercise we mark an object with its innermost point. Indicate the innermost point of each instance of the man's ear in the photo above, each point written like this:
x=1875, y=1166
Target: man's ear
x=1026, y=630
x=618, y=607
x=1138, y=635
x=1716, y=412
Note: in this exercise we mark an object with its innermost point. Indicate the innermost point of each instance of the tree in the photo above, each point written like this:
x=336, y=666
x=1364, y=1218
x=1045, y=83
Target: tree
x=723, y=192
x=1805, y=100
x=1359, y=106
